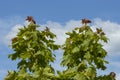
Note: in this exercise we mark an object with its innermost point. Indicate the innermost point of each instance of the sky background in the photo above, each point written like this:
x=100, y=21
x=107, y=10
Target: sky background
x=61, y=16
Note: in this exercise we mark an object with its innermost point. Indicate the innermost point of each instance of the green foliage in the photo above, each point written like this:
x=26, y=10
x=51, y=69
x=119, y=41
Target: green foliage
x=83, y=54
x=105, y=77
x=34, y=50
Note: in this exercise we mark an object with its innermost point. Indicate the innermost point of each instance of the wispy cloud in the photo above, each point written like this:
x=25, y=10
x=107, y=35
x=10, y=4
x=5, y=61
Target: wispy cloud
x=112, y=31
x=6, y=24
x=12, y=33
x=60, y=29
x=118, y=77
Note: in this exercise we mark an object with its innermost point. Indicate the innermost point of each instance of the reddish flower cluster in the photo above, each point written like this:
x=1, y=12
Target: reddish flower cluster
x=85, y=21
x=30, y=19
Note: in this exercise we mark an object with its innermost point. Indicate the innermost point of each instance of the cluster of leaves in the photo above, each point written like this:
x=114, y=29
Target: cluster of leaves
x=105, y=77
x=83, y=54
x=34, y=50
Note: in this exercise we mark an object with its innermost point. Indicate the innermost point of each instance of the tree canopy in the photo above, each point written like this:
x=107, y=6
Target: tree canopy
x=83, y=54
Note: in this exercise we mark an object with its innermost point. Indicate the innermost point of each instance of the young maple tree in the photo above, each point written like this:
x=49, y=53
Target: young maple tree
x=34, y=50
x=84, y=54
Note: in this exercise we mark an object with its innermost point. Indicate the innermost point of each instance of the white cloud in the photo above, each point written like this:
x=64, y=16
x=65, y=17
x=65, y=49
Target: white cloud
x=12, y=33
x=60, y=30
x=6, y=24
x=118, y=76
x=112, y=31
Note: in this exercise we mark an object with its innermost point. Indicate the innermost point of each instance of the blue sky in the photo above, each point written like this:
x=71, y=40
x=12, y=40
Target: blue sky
x=60, y=16
x=62, y=10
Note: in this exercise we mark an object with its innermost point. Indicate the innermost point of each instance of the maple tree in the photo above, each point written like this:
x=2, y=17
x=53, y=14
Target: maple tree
x=33, y=48
x=83, y=54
